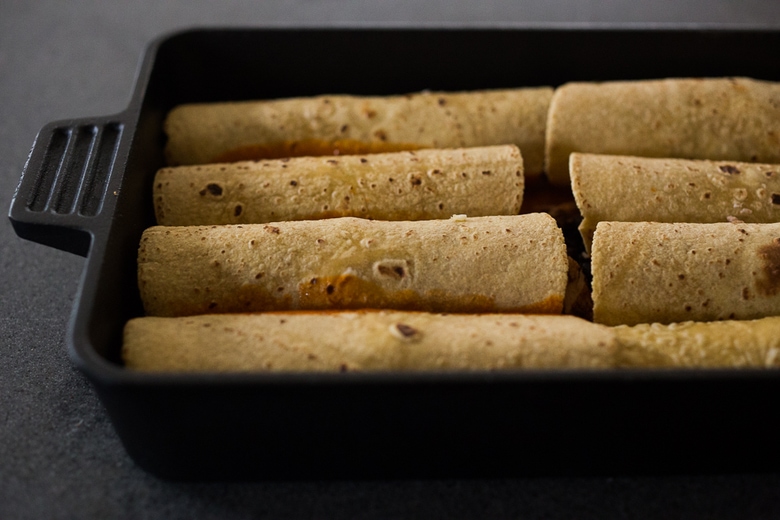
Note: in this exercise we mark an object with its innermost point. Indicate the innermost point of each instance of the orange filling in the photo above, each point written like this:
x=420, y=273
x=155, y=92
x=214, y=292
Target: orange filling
x=310, y=147
x=350, y=292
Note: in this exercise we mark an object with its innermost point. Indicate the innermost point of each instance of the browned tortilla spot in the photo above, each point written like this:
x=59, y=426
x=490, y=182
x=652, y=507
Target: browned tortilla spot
x=406, y=330
x=730, y=169
x=310, y=147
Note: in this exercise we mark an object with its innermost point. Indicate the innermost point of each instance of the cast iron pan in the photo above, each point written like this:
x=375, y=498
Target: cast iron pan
x=86, y=188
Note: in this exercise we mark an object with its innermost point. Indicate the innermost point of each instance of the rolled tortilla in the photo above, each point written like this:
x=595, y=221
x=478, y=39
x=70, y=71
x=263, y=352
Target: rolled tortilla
x=364, y=340
x=482, y=264
x=645, y=272
x=733, y=343
x=422, y=185
x=640, y=189
x=733, y=119
x=339, y=124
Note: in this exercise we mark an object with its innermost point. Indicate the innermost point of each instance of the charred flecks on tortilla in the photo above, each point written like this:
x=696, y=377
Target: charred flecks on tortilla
x=204, y=133
x=730, y=119
x=685, y=272
x=641, y=189
x=483, y=264
x=427, y=184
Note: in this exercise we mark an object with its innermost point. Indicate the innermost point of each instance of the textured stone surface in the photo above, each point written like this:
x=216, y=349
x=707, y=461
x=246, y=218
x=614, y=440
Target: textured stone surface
x=59, y=455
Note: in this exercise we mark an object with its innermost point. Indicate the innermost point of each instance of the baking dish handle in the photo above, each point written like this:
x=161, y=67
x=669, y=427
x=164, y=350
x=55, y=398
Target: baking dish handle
x=64, y=196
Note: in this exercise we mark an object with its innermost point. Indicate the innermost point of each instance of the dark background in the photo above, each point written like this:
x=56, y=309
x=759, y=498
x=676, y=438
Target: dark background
x=59, y=456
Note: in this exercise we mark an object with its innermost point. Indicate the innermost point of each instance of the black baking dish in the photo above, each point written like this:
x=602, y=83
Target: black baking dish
x=87, y=189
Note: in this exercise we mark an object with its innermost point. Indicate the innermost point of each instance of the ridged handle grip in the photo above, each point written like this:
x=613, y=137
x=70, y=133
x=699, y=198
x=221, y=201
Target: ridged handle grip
x=65, y=183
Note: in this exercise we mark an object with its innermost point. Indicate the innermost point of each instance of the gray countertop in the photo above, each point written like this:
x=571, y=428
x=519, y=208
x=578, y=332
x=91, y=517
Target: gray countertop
x=59, y=455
